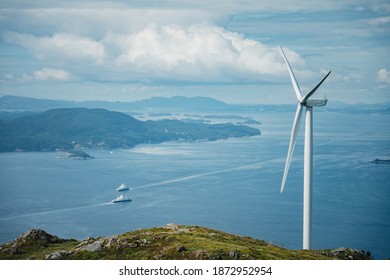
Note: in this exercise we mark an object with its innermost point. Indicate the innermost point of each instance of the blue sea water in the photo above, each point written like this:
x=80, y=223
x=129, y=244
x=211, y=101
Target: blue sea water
x=231, y=185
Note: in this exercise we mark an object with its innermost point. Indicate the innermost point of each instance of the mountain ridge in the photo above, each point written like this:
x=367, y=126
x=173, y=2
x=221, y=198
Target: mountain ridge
x=18, y=105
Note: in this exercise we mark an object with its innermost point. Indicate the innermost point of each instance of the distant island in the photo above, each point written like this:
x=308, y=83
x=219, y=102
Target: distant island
x=71, y=129
x=75, y=154
x=170, y=242
x=381, y=161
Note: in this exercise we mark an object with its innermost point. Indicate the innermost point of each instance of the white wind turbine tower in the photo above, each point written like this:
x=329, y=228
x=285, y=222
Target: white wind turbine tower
x=308, y=152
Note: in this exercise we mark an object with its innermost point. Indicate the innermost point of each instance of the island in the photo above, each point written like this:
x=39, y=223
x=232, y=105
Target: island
x=70, y=129
x=381, y=161
x=75, y=154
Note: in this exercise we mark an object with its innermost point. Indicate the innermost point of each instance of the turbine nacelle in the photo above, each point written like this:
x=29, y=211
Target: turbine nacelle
x=315, y=102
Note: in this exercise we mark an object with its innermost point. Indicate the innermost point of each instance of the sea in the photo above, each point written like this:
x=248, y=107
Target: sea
x=231, y=185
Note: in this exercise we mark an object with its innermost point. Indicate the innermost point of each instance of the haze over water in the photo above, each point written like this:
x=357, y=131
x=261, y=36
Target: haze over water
x=231, y=185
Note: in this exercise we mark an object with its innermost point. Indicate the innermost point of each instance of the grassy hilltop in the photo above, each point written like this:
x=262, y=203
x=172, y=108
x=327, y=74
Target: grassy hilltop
x=171, y=242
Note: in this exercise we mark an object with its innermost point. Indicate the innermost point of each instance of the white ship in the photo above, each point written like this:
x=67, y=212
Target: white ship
x=121, y=198
x=122, y=187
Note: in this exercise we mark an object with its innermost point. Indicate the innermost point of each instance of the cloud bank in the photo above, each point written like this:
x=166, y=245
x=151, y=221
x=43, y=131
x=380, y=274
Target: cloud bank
x=194, y=47
x=203, y=52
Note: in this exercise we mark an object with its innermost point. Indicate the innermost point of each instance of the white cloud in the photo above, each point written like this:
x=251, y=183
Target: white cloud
x=51, y=74
x=383, y=77
x=59, y=46
x=47, y=74
x=204, y=47
x=379, y=20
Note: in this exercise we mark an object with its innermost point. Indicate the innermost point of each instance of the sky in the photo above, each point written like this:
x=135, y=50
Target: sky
x=228, y=50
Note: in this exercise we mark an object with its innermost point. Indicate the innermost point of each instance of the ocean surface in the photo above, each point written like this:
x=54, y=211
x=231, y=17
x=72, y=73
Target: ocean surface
x=231, y=185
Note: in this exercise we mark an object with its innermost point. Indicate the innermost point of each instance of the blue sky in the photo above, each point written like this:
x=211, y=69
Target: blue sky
x=132, y=50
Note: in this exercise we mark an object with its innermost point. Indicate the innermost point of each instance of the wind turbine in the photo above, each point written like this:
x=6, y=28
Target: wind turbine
x=304, y=101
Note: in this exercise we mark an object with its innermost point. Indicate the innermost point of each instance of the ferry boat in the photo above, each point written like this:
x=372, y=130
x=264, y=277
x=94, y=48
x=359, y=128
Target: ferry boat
x=121, y=198
x=122, y=187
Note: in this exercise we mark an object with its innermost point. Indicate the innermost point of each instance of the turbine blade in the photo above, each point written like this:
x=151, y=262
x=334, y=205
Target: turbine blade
x=292, y=76
x=293, y=140
x=306, y=97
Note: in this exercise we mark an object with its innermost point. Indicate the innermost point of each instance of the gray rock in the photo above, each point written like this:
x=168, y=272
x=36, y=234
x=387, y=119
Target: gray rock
x=234, y=254
x=171, y=226
x=110, y=241
x=93, y=247
x=57, y=255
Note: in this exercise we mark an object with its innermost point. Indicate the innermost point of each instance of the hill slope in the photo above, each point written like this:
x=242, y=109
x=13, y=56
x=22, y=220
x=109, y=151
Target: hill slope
x=90, y=128
x=171, y=242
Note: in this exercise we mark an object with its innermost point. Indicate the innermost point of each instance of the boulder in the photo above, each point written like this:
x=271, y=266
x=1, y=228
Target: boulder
x=92, y=247
x=57, y=255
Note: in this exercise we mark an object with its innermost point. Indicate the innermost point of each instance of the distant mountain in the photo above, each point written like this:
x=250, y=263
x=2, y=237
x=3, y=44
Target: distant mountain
x=176, y=103
x=70, y=128
x=6, y=115
x=13, y=106
x=19, y=103
x=360, y=108
x=197, y=103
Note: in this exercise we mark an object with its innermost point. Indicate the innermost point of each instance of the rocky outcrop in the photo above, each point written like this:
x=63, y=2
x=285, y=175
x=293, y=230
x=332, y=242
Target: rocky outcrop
x=347, y=254
x=32, y=240
x=38, y=235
